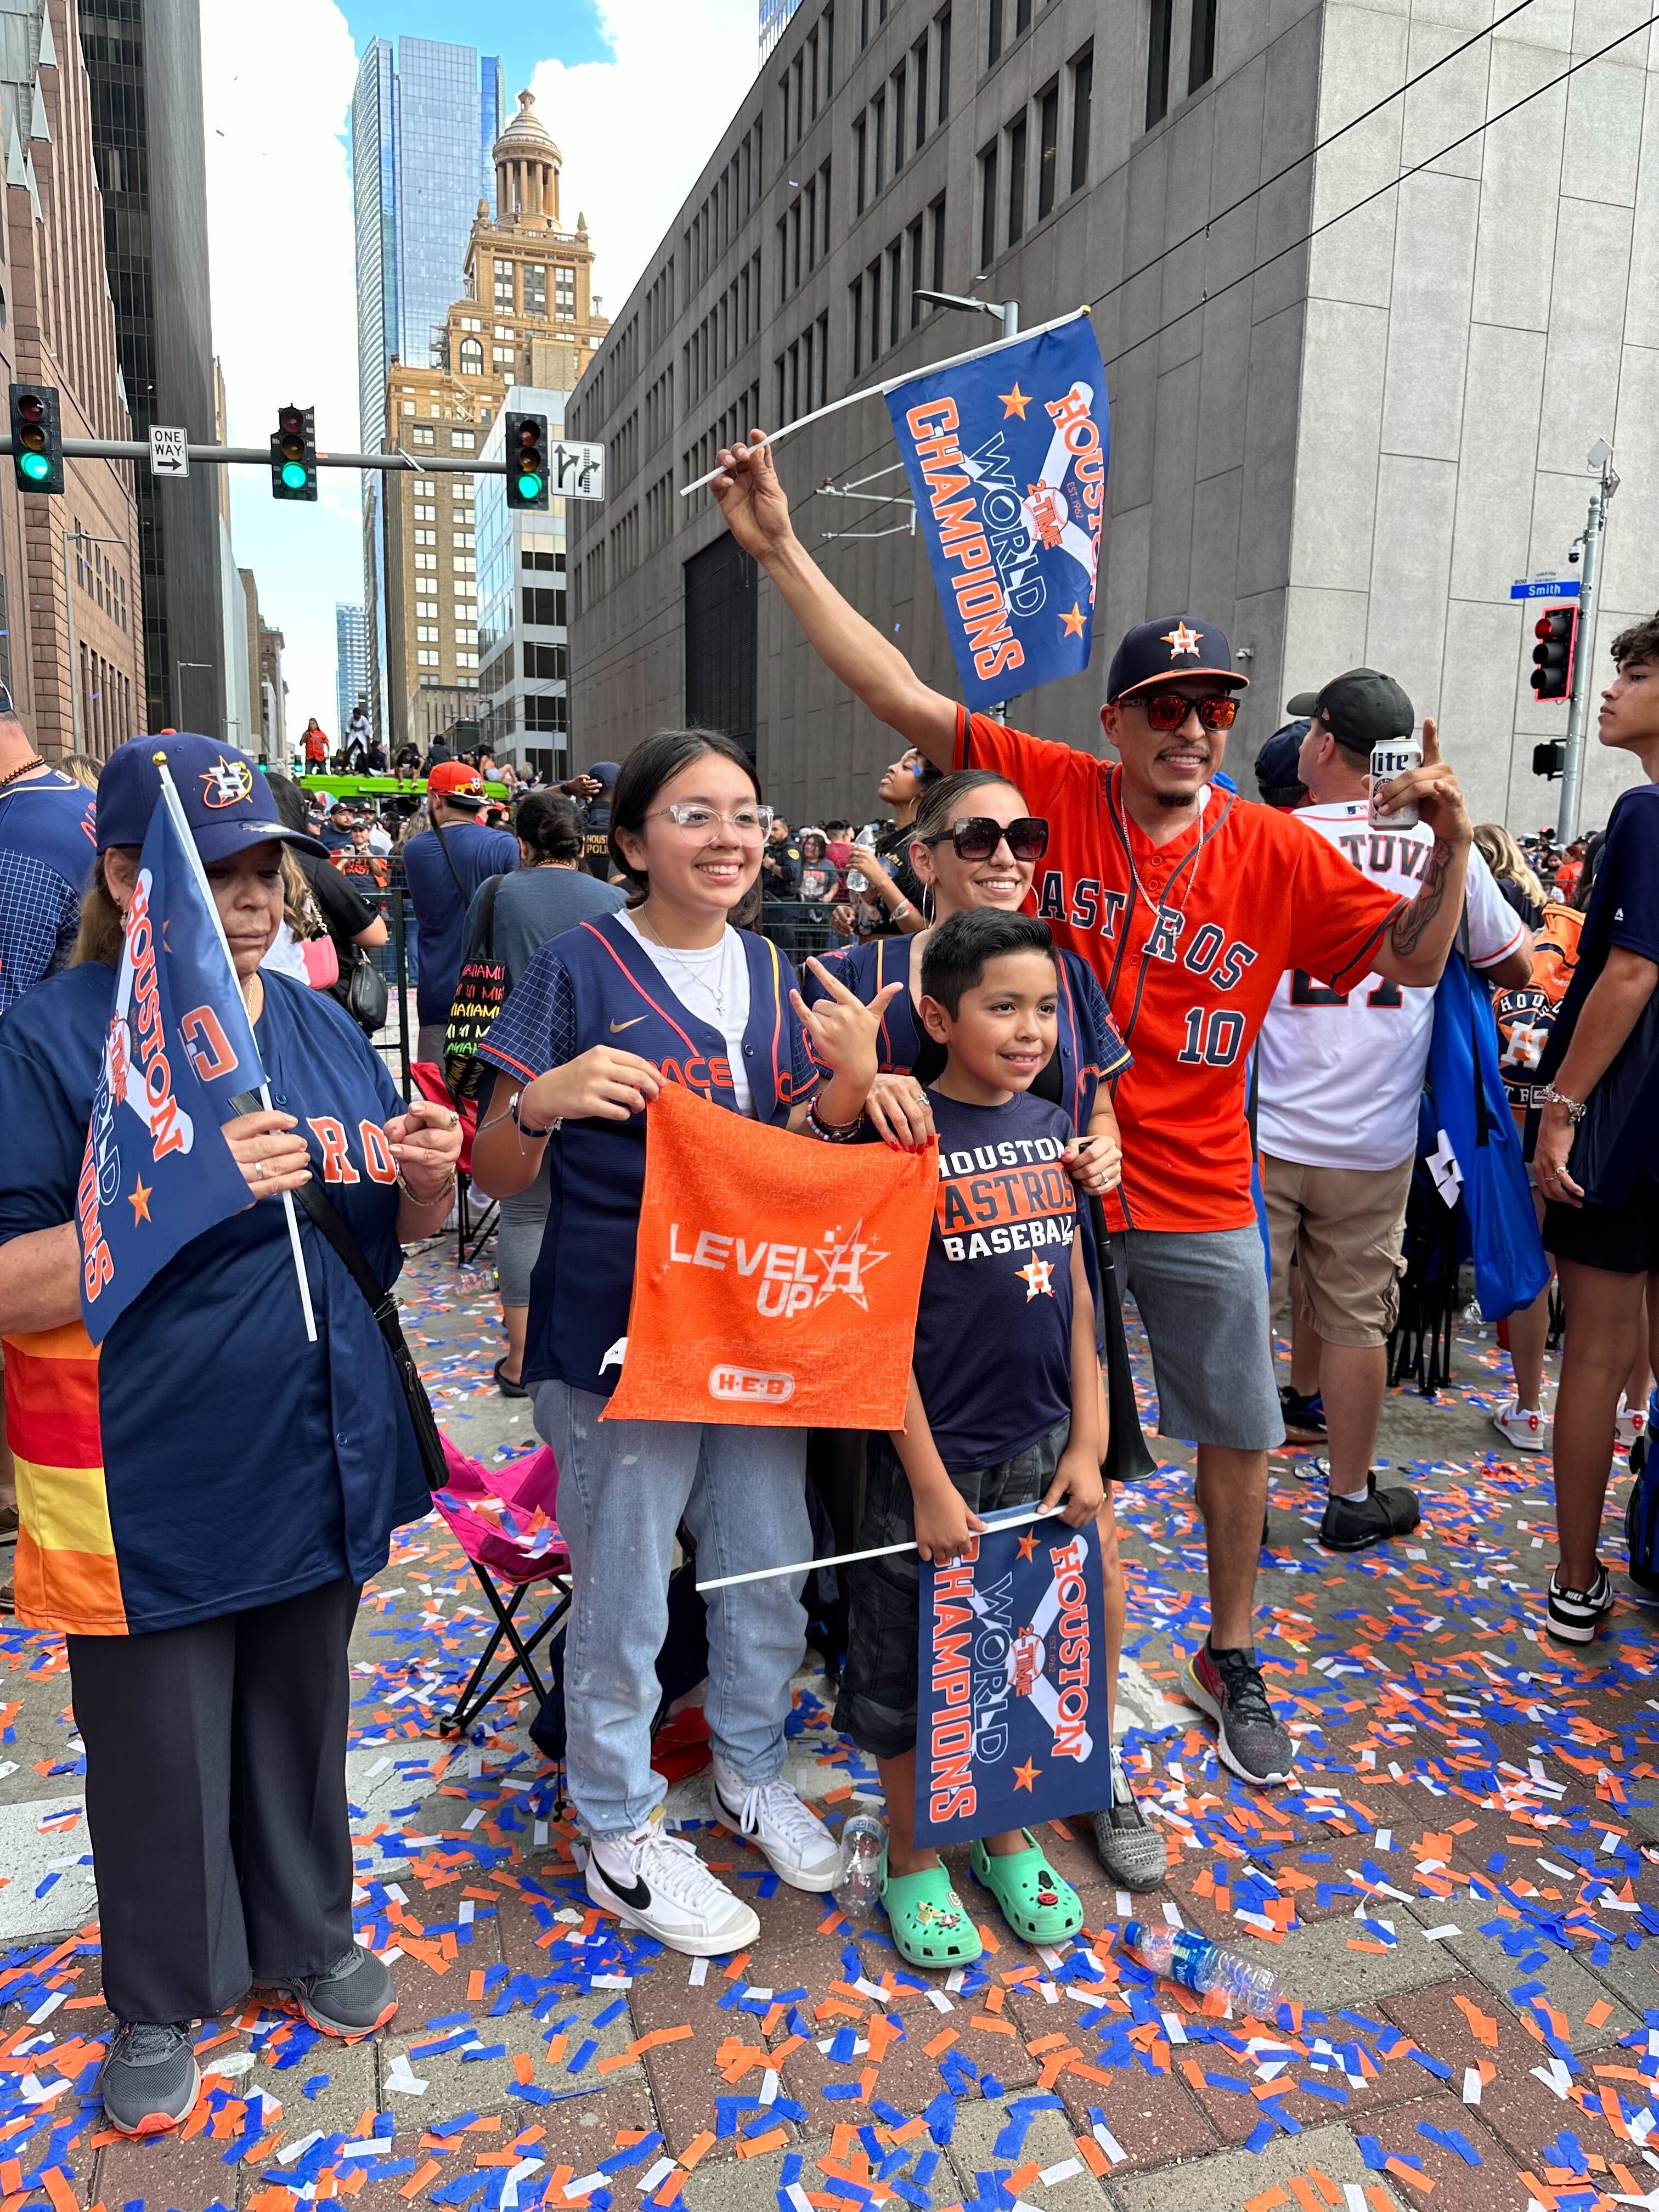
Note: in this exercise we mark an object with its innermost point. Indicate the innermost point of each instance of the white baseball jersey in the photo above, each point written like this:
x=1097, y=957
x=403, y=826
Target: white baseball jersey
x=1341, y=1072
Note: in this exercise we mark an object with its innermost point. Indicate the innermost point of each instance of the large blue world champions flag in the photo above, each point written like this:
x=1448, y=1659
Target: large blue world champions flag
x=1006, y=455
x=1010, y=1717
x=157, y=1170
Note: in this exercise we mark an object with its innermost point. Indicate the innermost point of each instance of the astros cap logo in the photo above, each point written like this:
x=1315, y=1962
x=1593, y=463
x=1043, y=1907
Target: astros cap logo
x=226, y=783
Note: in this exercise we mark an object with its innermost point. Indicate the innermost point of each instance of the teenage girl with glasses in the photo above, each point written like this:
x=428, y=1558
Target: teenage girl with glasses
x=668, y=990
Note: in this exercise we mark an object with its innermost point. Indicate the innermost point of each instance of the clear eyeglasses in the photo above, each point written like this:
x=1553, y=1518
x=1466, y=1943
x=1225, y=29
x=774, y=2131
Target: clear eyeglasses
x=698, y=824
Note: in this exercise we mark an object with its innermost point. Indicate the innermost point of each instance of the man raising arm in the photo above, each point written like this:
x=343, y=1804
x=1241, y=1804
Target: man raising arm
x=1190, y=906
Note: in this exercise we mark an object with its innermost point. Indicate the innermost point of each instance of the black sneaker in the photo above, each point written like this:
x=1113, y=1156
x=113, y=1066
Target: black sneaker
x=1228, y=1685
x=1353, y=1524
x=149, y=2082
x=1131, y=1851
x=352, y=1999
x=1574, y=1615
x=1304, y=1418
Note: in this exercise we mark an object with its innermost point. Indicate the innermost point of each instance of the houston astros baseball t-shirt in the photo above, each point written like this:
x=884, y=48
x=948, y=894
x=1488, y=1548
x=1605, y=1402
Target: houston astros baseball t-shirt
x=993, y=1354
x=1189, y=940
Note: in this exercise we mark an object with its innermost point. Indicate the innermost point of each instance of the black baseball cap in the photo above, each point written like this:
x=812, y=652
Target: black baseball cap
x=227, y=802
x=1174, y=645
x=1276, y=768
x=1361, y=709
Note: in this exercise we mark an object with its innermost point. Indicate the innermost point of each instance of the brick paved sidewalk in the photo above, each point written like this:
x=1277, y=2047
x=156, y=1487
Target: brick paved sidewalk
x=1459, y=1892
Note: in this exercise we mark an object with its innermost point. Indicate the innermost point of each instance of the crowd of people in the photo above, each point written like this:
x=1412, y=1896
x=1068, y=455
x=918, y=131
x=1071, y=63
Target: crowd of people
x=1212, y=1017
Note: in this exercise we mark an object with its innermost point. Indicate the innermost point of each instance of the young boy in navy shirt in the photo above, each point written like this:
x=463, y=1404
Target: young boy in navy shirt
x=1003, y=1409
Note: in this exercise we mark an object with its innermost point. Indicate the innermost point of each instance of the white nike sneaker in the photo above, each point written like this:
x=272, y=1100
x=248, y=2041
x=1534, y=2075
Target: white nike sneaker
x=1631, y=1424
x=656, y=1881
x=1523, y=1430
x=772, y=1817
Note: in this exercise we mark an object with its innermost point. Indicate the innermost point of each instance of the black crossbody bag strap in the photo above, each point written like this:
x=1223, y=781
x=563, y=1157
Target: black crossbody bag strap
x=443, y=847
x=382, y=1303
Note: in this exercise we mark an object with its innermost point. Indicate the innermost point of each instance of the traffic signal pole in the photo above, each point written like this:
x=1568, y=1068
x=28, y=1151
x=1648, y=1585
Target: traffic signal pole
x=1583, y=664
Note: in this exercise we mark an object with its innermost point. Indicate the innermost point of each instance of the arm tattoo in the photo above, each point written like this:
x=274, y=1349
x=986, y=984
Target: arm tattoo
x=1409, y=929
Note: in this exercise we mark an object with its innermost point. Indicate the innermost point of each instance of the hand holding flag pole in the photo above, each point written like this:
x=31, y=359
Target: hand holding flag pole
x=170, y=799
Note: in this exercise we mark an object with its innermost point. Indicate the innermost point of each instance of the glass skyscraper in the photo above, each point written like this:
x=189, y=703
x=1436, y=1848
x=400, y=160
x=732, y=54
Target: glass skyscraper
x=351, y=662
x=417, y=117
x=774, y=14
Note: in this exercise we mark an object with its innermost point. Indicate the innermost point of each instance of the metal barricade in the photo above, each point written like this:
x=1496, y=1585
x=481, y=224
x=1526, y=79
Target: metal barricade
x=398, y=960
x=799, y=930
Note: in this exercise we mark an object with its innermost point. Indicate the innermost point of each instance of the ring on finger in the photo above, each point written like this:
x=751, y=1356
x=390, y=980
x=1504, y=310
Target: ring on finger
x=259, y=1171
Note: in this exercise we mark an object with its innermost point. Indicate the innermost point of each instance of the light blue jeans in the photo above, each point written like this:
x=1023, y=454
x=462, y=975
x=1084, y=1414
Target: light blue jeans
x=624, y=1486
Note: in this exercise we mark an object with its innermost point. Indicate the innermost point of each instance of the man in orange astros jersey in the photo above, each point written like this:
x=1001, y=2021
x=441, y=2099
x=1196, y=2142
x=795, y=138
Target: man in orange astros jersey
x=1190, y=906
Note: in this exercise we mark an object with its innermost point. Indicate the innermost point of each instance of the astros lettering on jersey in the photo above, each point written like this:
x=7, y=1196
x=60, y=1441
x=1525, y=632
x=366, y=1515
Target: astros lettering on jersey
x=1188, y=939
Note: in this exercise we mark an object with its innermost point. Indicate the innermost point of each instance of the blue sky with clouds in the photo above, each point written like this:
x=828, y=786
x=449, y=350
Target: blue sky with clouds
x=635, y=92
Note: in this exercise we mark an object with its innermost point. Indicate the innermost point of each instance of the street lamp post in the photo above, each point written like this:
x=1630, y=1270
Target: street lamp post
x=179, y=668
x=76, y=537
x=1006, y=311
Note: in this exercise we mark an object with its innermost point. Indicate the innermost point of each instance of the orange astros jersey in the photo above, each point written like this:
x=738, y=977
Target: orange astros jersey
x=1188, y=939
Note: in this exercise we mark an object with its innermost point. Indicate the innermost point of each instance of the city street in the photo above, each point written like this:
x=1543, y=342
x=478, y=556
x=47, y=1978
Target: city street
x=1458, y=1894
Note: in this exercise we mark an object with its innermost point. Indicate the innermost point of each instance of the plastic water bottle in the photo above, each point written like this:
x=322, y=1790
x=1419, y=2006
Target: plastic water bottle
x=858, y=1876
x=1182, y=1955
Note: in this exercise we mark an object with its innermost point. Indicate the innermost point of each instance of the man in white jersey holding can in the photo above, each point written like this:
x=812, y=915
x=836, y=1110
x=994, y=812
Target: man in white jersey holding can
x=1340, y=1075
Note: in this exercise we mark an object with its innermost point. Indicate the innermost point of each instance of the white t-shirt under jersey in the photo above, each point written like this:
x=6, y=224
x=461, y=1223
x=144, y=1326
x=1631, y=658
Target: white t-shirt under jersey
x=689, y=976
x=1340, y=1077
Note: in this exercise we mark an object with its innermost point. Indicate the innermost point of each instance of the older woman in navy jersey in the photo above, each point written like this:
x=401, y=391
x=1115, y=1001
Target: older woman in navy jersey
x=975, y=843
x=203, y=1499
x=666, y=991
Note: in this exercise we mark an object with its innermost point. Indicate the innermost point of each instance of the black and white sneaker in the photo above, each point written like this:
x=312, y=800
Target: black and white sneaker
x=656, y=1881
x=1304, y=1418
x=1131, y=1851
x=1574, y=1615
x=774, y=1817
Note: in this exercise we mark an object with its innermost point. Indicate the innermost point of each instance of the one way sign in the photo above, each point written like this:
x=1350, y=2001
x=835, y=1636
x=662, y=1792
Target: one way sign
x=169, y=451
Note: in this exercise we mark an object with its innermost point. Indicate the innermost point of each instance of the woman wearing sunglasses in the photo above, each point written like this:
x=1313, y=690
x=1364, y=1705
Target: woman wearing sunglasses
x=975, y=843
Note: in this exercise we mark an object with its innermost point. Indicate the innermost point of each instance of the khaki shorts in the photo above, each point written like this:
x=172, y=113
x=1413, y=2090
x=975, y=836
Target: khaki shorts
x=1345, y=1227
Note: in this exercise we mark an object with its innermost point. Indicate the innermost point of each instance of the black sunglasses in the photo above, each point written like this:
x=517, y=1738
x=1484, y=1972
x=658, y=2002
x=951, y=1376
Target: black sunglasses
x=977, y=836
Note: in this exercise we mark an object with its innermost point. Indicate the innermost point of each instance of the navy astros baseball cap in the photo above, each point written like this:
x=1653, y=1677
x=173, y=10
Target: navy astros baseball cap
x=604, y=772
x=1276, y=764
x=1360, y=707
x=1174, y=645
x=227, y=802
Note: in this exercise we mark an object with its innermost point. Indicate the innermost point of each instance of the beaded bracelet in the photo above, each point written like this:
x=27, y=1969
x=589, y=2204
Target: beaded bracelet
x=832, y=1133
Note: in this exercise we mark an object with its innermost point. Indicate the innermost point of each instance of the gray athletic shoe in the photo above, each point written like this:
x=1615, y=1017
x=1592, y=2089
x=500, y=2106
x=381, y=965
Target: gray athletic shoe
x=1131, y=1850
x=149, y=2080
x=352, y=1999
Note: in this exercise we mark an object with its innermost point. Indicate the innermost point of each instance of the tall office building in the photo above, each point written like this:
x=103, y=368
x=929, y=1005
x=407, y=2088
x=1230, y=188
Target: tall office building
x=424, y=121
x=529, y=317
x=351, y=662
x=1358, y=340
x=144, y=62
x=71, y=632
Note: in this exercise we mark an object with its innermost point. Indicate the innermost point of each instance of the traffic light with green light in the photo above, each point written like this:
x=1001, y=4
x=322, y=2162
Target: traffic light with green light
x=526, y=441
x=293, y=454
x=37, y=443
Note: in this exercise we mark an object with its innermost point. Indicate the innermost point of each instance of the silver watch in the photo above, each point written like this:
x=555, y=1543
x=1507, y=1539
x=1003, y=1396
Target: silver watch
x=1577, y=1108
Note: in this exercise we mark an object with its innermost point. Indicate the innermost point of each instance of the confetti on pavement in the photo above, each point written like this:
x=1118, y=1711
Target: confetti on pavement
x=1458, y=1888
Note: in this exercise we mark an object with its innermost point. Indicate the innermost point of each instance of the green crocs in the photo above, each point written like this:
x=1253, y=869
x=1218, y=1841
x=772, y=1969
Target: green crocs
x=930, y=1926
x=1036, y=1903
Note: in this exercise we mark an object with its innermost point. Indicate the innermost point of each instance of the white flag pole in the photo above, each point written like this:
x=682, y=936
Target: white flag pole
x=175, y=807
x=880, y=391
x=881, y=1551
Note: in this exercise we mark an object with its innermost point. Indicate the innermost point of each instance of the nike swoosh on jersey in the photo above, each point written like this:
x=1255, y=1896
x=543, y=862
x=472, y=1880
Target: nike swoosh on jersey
x=615, y=1026
x=639, y=1896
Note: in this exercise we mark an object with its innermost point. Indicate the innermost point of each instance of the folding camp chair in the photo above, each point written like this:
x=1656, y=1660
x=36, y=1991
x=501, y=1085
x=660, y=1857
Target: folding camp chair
x=429, y=1079
x=503, y=1518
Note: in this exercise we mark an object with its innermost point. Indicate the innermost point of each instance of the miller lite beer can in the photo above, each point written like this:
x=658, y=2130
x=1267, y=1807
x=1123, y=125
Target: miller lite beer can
x=1389, y=760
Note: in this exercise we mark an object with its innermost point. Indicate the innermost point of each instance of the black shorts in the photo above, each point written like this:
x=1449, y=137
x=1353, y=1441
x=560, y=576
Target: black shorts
x=1624, y=1240
x=877, y=1706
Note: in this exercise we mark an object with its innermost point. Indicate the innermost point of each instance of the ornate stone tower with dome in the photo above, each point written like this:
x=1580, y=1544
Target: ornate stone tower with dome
x=530, y=316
